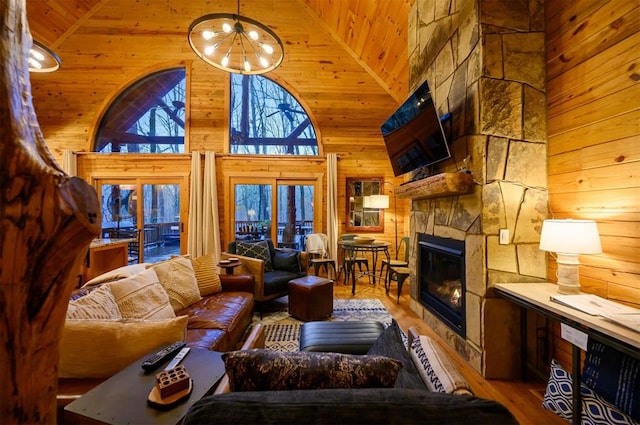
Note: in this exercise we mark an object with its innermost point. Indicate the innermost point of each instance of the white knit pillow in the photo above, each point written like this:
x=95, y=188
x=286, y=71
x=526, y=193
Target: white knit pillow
x=179, y=280
x=97, y=304
x=141, y=296
x=436, y=369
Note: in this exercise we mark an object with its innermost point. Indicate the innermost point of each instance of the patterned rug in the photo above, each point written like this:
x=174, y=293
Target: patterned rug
x=282, y=330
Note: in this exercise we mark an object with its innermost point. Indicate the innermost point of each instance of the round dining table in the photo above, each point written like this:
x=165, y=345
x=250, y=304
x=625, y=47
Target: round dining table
x=351, y=248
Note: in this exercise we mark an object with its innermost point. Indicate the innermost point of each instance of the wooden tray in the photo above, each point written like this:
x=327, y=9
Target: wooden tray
x=154, y=399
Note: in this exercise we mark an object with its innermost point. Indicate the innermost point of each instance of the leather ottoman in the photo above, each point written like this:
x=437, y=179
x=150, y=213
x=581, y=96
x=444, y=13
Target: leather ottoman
x=340, y=337
x=310, y=298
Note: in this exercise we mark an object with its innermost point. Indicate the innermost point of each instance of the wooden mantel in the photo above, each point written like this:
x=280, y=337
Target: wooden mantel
x=444, y=184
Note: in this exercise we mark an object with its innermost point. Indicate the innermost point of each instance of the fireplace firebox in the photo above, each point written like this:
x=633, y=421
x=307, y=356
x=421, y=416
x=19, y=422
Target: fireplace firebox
x=441, y=279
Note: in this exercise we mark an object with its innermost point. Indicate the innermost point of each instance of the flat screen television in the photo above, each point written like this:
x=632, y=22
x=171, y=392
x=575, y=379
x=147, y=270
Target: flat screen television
x=413, y=134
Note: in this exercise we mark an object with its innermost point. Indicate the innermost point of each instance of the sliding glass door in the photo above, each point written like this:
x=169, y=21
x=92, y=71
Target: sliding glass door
x=152, y=220
x=255, y=203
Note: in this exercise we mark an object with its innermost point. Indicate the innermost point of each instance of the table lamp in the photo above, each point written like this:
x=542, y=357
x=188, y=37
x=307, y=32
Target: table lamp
x=568, y=239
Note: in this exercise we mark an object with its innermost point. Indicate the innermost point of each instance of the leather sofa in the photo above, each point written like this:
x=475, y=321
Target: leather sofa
x=217, y=322
x=287, y=264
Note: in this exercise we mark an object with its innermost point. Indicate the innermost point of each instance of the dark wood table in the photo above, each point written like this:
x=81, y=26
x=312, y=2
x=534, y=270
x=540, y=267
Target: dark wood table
x=228, y=267
x=122, y=399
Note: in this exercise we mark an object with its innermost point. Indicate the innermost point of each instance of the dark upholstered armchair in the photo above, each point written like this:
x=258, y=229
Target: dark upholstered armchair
x=272, y=267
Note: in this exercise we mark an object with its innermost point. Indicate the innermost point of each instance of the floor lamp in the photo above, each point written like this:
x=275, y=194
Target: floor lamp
x=382, y=202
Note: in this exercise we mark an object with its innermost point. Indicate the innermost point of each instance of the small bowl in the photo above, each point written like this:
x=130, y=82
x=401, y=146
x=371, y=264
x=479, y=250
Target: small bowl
x=232, y=259
x=225, y=262
x=363, y=240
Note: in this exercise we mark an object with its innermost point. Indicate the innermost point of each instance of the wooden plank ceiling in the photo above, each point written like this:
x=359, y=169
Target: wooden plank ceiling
x=346, y=60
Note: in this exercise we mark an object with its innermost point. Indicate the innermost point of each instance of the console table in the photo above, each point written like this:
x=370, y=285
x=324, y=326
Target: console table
x=536, y=297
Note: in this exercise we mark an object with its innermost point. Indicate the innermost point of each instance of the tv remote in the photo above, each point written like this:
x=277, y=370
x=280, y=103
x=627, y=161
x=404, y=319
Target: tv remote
x=177, y=359
x=161, y=356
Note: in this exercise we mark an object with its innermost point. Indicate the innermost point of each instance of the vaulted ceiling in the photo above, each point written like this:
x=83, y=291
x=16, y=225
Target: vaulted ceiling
x=346, y=60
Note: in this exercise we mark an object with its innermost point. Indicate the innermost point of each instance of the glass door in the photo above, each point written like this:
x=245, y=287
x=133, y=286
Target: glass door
x=254, y=204
x=252, y=217
x=295, y=213
x=152, y=221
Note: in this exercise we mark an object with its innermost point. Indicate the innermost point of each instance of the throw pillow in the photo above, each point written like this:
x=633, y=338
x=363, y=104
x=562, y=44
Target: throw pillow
x=595, y=410
x=259, y=250
x=207, y=274
x=117, y=274
x=141, y=296
x=179, y=280
x=101, y=348
x=262, y=370
x=436, y=369
x=287, y=260
x=97, y=304
x=390, y=344
x=614, y=375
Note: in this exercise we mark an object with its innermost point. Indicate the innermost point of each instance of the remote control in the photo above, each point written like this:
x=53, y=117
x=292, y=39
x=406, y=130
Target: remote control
x=161, y=356
x=177, y=359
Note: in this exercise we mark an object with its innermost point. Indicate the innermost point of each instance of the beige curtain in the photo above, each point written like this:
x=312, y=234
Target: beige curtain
x=69, y=162
x=211, y=222
x=204, y=226
x=332, y=204
x=194, y=241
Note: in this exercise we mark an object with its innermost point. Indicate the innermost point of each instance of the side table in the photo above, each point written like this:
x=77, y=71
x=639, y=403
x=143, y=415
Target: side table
x=123, y=397
x=229, y=265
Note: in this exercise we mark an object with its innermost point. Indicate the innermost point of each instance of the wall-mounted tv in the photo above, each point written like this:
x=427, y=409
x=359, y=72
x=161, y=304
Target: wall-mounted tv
x=413, y=135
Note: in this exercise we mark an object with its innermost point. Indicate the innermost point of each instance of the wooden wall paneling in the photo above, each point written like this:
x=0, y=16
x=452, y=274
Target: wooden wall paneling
x=594, y=133
x=620, y=151
x=593, y=130
x=607, y=26
x=613, y=69
x=606, y=106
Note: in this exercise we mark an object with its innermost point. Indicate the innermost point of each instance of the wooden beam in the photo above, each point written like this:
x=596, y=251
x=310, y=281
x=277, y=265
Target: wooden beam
x=444, y=184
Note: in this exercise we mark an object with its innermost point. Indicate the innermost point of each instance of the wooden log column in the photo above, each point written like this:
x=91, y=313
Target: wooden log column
x=47, y=221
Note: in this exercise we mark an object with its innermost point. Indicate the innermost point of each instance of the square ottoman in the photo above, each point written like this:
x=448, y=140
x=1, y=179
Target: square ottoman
x=310, y=298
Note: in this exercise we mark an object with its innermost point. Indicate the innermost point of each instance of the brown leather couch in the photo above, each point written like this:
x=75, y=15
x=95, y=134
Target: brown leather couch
x=217, y=322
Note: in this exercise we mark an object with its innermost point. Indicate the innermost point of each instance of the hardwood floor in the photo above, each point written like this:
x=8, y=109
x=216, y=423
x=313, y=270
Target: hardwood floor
x=523, y=399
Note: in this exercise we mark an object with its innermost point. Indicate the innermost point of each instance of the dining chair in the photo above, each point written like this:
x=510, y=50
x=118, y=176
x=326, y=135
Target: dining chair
x=403, y=248
x=348, y=264
x=317, y=246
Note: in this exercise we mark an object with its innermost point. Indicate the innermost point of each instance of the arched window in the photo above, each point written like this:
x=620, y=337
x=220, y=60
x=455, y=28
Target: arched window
x=266, y=119
x=147, y=117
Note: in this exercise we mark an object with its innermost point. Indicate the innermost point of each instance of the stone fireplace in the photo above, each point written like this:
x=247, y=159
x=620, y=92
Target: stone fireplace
x=484, y=60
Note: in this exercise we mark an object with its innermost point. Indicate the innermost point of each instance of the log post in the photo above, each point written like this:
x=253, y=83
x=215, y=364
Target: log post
x=47, y=220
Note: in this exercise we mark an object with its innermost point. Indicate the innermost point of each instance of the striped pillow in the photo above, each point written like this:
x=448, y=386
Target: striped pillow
x=141, y=296
x=97, y=304
x=436, y=369
x=207, y=274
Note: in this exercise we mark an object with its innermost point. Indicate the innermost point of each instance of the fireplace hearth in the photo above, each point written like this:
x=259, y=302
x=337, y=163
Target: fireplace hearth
x=441, y=279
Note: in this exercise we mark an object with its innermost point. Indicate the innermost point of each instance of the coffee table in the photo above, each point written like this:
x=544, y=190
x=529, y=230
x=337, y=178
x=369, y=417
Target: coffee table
x=123, y=398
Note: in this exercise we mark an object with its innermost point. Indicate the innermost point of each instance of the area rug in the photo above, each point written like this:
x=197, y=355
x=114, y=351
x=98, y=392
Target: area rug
x=282, y=330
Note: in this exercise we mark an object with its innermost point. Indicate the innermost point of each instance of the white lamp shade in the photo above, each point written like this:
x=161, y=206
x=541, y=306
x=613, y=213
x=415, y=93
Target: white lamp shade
x=376, y=201
x=570, y=237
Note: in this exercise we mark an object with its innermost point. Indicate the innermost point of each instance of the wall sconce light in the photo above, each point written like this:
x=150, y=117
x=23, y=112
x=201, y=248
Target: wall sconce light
x=568, y=239
x=42, y=59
